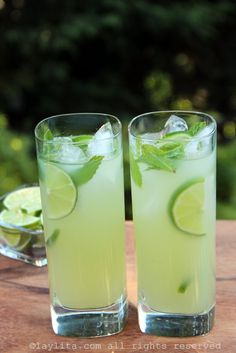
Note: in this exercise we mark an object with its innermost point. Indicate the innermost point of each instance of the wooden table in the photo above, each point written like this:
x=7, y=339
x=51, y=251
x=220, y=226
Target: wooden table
x=25, y=324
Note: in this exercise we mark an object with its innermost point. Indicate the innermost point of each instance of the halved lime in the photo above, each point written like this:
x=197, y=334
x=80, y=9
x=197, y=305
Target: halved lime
x=16, y=240
x=28, y=199
x=60, y=190
x=18, y=218
x=12, y=239
x=187, y=207
x=12, y=236
x=24, y=242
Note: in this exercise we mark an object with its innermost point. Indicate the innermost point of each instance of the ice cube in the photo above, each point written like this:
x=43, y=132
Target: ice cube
x=66, y=152
x=202, y=144
x=191, y=149
x=61, y=139
x=175, y=123
x=71, y=154
x=206, y=131
x=102, y=142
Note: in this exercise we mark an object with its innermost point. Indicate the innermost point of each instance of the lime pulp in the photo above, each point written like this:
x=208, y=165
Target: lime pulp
x=187, y=207
x=60, y=190
x=27, y=199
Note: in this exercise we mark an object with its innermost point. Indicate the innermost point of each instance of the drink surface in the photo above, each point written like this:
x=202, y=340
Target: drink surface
x=85, y=248
x=176, y=263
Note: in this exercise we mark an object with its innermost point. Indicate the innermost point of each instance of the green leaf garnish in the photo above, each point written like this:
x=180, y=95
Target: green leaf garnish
x=171, y=149
x=88, y=170
x=52, y=237
x=156, y=158
x=196, y=128
x=83, y=141
x=183, y=287
x=135, y=171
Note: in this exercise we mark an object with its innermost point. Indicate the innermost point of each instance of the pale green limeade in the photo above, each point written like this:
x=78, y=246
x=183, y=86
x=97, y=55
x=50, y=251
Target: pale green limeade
x=85, y=248
x=174, y=213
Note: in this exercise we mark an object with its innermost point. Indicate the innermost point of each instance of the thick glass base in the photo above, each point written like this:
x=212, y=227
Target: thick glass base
x=174, y=325
x=90, y=322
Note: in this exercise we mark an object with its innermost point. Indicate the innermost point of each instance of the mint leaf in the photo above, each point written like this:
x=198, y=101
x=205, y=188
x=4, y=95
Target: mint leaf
x=52, y=238
x=83, y=141
x=196, y=128
x=156, y=159
x=183, y=287
x=135, y=171
x=171, y=149
x=88, y=170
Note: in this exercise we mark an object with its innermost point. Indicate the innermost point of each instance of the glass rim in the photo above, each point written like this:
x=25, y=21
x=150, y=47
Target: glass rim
x=78, y=114
x=159, y=112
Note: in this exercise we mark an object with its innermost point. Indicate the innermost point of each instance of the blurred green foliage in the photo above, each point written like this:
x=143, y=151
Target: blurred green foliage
x=17, y=164
x=120, y=57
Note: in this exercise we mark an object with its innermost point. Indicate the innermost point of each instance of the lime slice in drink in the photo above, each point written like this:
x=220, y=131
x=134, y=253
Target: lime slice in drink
x=60, y=190
x=177, y=135
x=28, y=199
x=18, y=218
x=187, y=207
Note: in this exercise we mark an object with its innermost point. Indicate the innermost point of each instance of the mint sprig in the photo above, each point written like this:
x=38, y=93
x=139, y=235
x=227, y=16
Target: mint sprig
x=161, y=157
x=85, y=173
x=171, y=149
x=196, y=128
x=135, y=171
x=155, y=160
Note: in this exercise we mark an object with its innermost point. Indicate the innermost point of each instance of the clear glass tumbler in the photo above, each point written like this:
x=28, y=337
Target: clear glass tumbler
x=81, y=181
x=173, y=159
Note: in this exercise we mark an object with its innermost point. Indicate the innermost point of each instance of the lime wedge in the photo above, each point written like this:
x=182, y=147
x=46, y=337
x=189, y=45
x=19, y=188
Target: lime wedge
x=60, y=190
x=24, y=242
x=27, y=199
x=187, y=207
x=18, y=218
x=16, y=240
x=12, y=239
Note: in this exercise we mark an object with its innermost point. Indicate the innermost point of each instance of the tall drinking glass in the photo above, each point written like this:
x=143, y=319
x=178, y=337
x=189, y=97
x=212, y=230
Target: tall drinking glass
x=81, y=181
x=172, y=157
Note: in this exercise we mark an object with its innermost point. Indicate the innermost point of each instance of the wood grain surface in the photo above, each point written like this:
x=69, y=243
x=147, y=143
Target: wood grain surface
x=25, y=324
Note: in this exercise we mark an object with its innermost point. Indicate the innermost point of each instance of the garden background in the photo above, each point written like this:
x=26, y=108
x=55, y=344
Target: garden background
x=123, y=57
